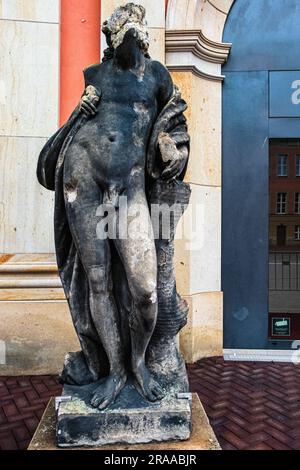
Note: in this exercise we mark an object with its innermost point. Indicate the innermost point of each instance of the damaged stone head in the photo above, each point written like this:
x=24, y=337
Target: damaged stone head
x=128, y=20
x=126, y=138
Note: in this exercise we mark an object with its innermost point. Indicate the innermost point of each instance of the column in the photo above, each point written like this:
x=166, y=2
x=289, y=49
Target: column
x=79, y=47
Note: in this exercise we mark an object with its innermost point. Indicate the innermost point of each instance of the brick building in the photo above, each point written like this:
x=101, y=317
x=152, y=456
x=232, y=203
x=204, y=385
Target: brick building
x=285, y=195
x=284, y=240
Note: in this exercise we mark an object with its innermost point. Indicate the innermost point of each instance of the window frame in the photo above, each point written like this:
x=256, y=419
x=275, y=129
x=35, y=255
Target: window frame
x=297, y=203
x=297, y=233
x=297, y=165
x=280, y=166
x=282, y=203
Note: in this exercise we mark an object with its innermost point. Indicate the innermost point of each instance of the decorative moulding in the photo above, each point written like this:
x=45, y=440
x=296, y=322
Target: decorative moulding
x=191, y=50
x=26, y=277
x=195, y=70
x=194, y=41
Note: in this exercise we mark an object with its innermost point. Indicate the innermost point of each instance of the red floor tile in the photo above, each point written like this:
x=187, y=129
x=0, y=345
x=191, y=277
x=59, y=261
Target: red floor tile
x=261, y=410
x=251, y=406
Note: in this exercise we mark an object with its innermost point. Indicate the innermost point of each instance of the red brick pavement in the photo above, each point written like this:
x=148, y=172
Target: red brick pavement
x=251, y=406
x=22, y=403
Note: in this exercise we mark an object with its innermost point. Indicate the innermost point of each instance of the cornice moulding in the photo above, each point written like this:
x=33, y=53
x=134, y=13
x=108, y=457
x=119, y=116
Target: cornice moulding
x=196, y=71
x=196, y=42
x=29, y=275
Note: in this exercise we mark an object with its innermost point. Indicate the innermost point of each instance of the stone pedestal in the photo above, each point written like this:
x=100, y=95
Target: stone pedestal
x=129, y=420
x=202, y=436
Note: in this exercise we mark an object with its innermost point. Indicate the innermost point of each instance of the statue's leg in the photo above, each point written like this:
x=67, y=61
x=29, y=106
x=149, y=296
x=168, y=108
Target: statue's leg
x=138, y=255
x=123, y=300
x=95, y=256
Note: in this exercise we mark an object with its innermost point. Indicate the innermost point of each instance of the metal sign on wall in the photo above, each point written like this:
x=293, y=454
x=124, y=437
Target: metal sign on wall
x=284, y=94
x=281, y=326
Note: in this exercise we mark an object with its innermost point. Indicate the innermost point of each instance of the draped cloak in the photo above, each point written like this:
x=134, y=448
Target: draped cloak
x=172, y=310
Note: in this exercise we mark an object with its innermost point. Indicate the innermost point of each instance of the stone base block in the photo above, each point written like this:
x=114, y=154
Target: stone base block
x=202, y=436
x=130, y=420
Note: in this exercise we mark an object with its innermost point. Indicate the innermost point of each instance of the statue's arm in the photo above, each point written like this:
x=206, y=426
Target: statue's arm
x=90, y=97
x=174, y=151
x=48, y=157
x=165, y=85
x=50, y=152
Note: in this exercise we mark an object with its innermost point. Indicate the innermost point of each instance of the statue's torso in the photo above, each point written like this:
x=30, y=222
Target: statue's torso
x=115, y=140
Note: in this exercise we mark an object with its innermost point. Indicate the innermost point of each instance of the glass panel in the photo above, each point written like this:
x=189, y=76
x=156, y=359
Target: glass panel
x=284, y=242
x=297, y=165
x=282, y=165
x=281, y=203
x=297, y=203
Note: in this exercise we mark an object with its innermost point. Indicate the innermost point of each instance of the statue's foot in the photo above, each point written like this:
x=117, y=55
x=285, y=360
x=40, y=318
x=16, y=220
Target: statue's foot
x=76, y=371
x=108, y=390
x=146, y=385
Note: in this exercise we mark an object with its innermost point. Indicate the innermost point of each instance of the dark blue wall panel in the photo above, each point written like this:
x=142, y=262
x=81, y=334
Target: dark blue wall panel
x=265, y=37
x=286, y=128
x=245, y=210
x=263, y=33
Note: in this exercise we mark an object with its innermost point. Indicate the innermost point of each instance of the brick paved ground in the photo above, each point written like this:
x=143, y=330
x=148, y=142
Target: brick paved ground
x=250, y=405
x=23, y=400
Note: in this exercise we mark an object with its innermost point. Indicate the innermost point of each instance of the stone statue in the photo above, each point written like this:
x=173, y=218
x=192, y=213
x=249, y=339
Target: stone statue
x=126, y=140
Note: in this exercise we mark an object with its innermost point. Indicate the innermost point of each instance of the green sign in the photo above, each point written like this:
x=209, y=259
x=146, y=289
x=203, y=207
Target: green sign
x=281, y=326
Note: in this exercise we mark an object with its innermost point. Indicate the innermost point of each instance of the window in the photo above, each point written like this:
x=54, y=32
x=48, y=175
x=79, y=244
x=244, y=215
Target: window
x=297, y=165
x=297, y=203
x=282, y=165
x=297, y=232
x=281, y=203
